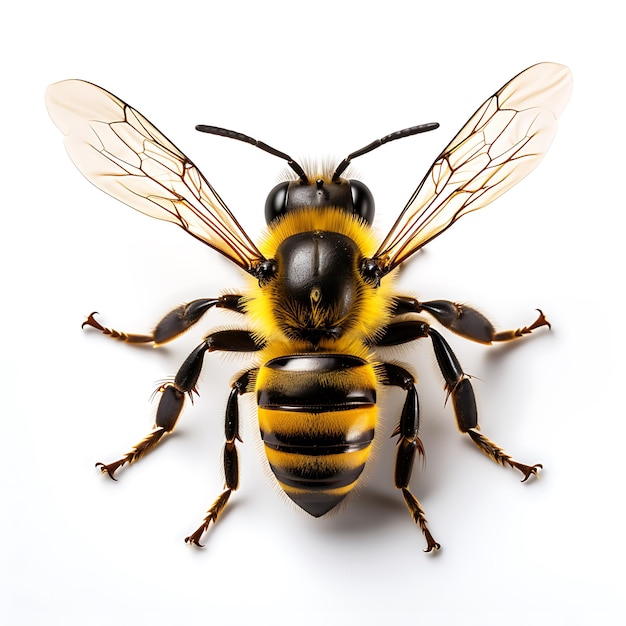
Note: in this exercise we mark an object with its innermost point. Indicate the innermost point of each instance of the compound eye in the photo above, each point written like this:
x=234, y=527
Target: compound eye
x=276, y=203
x=362, y=201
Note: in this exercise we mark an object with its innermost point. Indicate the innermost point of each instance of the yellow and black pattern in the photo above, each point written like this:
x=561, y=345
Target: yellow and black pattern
x=320, y=300
x=316, y=387
x=317, y=415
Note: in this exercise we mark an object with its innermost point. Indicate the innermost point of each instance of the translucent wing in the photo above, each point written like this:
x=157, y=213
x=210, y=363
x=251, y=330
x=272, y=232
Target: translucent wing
x=501, y=143
x=122, y=153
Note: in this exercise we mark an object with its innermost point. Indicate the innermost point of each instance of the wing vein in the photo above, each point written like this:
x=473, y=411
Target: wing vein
x=122, y=153
x=499, y=145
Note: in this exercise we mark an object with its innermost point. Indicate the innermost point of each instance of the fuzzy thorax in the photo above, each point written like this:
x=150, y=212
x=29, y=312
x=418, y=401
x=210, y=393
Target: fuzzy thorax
x=275, y=315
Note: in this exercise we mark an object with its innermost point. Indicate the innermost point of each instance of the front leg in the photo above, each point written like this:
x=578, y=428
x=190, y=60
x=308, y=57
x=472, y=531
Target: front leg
x=465, y=320
x=175, y=323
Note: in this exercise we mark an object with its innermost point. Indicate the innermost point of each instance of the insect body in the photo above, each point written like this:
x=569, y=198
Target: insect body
x=319, y=300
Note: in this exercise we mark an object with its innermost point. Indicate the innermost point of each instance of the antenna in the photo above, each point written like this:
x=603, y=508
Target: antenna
x=231, y=134
x=296, y=167
x=399, y=134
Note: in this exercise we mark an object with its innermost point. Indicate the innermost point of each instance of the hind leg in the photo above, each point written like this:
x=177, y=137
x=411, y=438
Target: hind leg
x=409, y=444
x=242, y=385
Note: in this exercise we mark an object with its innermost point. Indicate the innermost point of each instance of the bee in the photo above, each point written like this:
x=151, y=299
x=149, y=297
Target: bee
x=320, y=298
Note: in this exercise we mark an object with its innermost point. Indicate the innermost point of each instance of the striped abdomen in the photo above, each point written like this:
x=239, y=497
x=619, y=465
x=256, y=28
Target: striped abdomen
x=317, y=414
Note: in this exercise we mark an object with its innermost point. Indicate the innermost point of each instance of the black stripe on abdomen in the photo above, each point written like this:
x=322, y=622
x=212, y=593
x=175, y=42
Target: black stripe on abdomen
x=304, y=443
x=317, y=415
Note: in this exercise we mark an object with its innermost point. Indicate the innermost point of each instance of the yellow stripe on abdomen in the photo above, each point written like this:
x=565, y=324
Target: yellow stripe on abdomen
x=317, y=416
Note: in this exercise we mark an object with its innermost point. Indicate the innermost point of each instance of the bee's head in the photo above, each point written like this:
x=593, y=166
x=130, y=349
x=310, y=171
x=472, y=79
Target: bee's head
x=351, y=196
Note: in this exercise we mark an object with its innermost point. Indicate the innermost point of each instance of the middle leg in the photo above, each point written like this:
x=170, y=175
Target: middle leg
x=173, y=393
x=458, y=386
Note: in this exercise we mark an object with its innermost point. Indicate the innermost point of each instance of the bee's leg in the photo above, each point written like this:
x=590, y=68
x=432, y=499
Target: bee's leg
x=174, y=323
x=398, y=333
x=408, y=444
x=460, y=389
x=170, y=407
x=458, y=385
x=464, y=320
x=243, y=384
x=173, y=393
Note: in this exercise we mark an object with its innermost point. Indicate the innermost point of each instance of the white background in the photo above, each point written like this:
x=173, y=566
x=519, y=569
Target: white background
x=313, y=79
